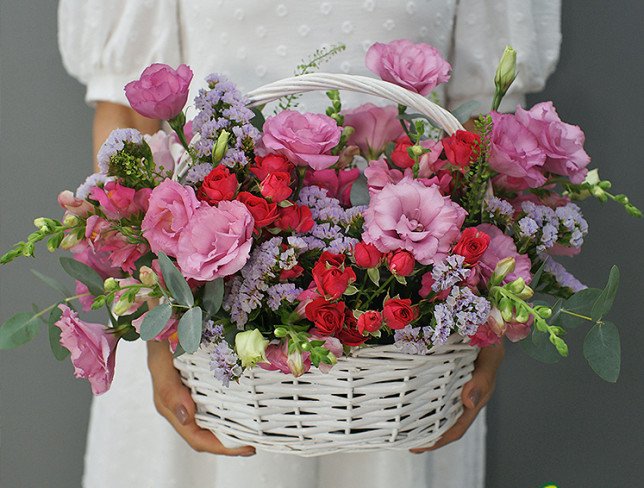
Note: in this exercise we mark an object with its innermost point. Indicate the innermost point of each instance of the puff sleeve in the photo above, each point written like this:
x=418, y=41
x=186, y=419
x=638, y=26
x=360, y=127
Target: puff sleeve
x=482, y=29
x=105, y=45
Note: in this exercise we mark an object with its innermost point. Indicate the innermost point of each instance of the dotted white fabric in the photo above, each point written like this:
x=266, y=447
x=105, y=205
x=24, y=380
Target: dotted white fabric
x=107, y=44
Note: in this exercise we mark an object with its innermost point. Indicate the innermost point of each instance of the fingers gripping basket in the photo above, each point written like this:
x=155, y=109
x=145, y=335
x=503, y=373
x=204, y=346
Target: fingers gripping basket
x=377, y=398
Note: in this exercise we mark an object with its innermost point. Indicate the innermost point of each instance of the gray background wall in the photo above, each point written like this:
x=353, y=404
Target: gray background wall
x=555, y=423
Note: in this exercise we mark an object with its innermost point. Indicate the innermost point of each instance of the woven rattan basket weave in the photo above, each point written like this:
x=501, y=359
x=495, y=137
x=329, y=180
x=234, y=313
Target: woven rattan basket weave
x=377, y=398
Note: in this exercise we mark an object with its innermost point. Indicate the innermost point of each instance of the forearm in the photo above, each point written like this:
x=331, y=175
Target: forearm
x=109, y=116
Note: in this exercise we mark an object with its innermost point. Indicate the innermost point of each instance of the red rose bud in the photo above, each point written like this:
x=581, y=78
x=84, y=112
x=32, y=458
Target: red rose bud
x=289, y=274
x=350, y=335
x=366, y=255
x=399, y=312
x=399, y=156
x=327, y=317
x=263, y=212
x=273, y=163
x=401, y=263
x=370, y=321
x=461, y=147
x=331, y=277
x=219, y=185
x=296, y=218
x=472, y=245
x=275, y=187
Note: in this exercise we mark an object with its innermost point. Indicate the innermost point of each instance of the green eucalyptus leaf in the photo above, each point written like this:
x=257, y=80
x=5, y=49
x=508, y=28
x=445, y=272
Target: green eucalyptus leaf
x=52, y=283
x=178, y=351
x=155, y=321
x=605, y=301
x=57, y=349
x=581, y=303
x=176, y=283
x=465, y=110
x=602, y=350
x=539, y=347
x=190, y=328
x=130, y=335
x=360, y=191
x=84, y=274
x=213, y=296
x=258, y=118
x=18, y=330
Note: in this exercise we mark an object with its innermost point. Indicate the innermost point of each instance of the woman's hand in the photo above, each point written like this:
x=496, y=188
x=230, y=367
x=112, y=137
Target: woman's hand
x=475, y=395
x=172, y=400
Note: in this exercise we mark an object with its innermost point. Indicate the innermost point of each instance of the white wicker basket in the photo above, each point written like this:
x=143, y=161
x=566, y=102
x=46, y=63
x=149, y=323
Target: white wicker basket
x=378, y=398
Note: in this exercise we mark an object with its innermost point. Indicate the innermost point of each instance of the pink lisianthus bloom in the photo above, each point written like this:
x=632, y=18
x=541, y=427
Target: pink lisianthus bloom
x=333, y=345
x=92, y=349
x=379, y=174
x=515, y=153
x=73, y=205
x=87, y=300
x=216, y=242
x=411, y=216
x=139, y=299
x=502, y=246
x=121, y=252
x=171, y=206
x=279, y=359
x=118, y=201
x=429, y=164
x=373, y=128
x=516, y=331
x=168, y=333
x=161, y=92
x=484, y=337
x=306, y=139
x=562, y=143
x=337, y=183
x=98, y=260
x=165, y=148
x=417, y=67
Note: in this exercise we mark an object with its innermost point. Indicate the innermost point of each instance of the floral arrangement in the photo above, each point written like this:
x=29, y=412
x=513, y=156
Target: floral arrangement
x=284, y=242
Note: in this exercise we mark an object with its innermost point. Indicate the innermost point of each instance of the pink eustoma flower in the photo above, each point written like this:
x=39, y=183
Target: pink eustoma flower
x=502, y=246
x=373, y=128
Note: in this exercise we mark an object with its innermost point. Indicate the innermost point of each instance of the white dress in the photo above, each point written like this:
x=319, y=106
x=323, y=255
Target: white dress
x=107, y=44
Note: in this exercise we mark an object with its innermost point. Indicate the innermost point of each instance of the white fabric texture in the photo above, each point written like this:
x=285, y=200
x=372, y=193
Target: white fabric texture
x=107, y=44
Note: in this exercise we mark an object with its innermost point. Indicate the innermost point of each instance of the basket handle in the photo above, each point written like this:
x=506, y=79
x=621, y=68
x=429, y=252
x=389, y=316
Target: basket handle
x=361, y=84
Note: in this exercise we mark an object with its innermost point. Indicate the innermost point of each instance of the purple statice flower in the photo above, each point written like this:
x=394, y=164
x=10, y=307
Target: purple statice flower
x=222, y=106
x=499, y=208
x=323, y=208
x=341, y=245
x=528, y=227
x=224, y=363
x=115, y=143
x=413, y=340
x=562, y=276
x=572, y=221
x=212, y=332
x=462, y=311
x=282, y=292
x=449, y=272
x=198, y=173
x=96, y=179
x=353, y=214
x=564, y=225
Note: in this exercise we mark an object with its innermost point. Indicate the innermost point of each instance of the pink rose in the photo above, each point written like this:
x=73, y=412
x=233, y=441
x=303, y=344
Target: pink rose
x=562, y=143
x=502, y=246
x=161, y=92
x=172, y=205
x=373, y=128
x=92, y=349
x=417, y=67
x=411, y=216
x=379, y=174
x=336, y=183
x=515, y=153
x=305, y=139
x=216, y=242
x=118, y=201
x=401, y=263
x=121, y=252
x=429, y=164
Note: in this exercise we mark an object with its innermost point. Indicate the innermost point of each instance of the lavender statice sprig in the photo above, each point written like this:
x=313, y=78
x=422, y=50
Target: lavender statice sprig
x=224, y=362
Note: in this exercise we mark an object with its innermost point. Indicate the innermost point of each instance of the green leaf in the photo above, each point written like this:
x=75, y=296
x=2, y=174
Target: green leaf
x=18, y=330
x=581, y=303
x=258, y=118
x=178, y=351
x=190, y=327
x=602, y=350
x=176, y=283
x=360, y=191
x=52, y=283
x=605, y=301
x=57, y=349
x=84, y=274
x=213, y=296
x=130, y=335
x=374, y=275
x=536, y=277
x=539, y=347
x=155, y=320
x=465, y=110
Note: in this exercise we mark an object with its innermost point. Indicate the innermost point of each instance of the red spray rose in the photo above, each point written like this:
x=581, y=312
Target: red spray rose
x=327, y=317
x=295, y=218
x=273, y=163
x=366, y=255
x=472, y=245
x=290, y=274
x=263, y=212
x=331, y=276
x=370, y=321
x=399, y=312
x=275, y=187
x=350, y=335
x=219, y=185
x=460, y=147
x=401, y=263
x=399, y=156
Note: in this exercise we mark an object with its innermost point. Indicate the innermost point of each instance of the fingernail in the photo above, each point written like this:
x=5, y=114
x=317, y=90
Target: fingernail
x=475, y=397
x=249, y=452
x=182, y=414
